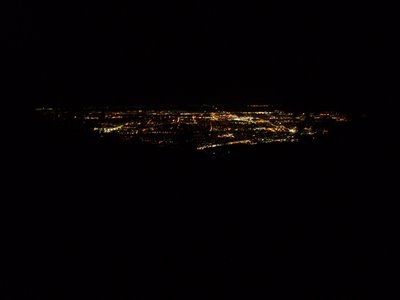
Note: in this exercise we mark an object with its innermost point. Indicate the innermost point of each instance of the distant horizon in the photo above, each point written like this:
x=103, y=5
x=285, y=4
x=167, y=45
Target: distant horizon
x=185, y=106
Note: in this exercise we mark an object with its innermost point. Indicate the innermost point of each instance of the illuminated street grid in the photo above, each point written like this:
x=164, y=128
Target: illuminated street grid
x=205, y=129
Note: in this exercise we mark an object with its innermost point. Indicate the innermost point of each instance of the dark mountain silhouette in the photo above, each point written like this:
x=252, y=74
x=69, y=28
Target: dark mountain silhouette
x=105, y=219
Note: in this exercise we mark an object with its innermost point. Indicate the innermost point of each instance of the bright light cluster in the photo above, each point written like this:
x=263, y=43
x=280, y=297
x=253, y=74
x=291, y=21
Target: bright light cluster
x=206, y=129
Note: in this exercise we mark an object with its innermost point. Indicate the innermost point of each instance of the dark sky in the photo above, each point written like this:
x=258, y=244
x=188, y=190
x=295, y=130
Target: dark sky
x=306, y=55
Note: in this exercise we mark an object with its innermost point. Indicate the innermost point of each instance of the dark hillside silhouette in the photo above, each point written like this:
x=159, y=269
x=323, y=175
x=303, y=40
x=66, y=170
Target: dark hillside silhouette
x=109, y=219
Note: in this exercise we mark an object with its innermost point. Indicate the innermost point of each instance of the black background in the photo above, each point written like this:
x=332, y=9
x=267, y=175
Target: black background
x=318, y=55
x=85, y=219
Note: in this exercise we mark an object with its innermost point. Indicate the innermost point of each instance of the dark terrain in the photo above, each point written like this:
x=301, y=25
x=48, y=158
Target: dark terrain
x=105, y=220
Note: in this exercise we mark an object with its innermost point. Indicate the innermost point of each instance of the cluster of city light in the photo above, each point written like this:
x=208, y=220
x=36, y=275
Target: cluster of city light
x=207, y=129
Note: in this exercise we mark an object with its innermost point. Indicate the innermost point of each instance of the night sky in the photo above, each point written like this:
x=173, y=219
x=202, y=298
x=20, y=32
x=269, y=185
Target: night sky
x=74, y=53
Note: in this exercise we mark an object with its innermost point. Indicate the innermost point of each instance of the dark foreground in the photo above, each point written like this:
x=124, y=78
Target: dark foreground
x=92, y=220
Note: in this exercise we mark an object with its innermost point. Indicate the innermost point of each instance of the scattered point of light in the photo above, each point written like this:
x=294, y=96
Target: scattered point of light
x=204, y=130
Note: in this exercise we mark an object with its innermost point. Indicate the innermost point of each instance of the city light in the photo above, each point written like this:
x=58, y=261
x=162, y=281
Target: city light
x=204, y=129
